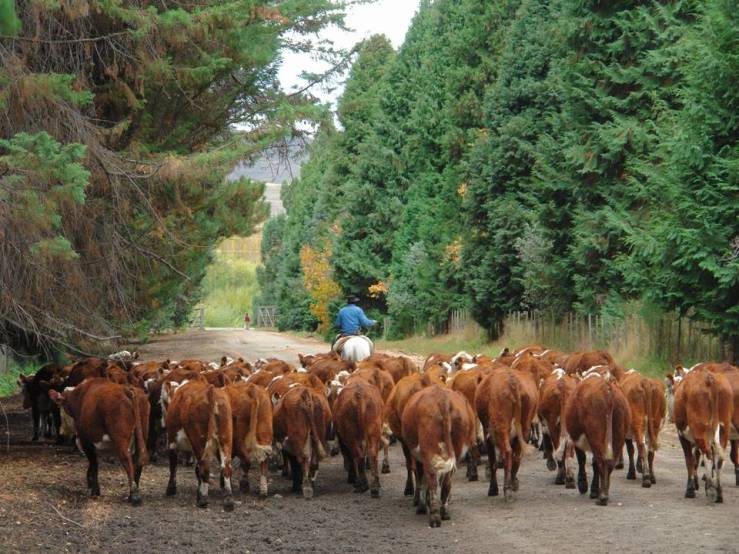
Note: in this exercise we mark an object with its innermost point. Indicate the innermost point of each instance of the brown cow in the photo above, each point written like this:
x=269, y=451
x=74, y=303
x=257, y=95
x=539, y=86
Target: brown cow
x=327, y=369
x=397, y=366
x=383, y=380
x=597, y=417
x=703, y=412
x=646, y=399
x=581, y=362
x=438, y=427
x=199, y=420
x=307, y=360
x=301, y=421
x=437, y=359
x=358, y=416
x=396, y=402
x=466, y=383
x=553, y=396
x=281, y=383
x=108, y=415
x=506, y=404
x=252, y=430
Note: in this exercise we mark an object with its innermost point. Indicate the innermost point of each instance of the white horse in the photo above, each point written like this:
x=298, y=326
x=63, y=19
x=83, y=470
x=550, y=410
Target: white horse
x=356, y=349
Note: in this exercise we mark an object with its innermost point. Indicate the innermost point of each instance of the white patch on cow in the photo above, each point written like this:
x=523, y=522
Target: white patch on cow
x=263, y=485
x=446, y=366
x=479, y=431
x=276, y=379
x=104, y=443
x=514, y=434
x=442, y=466
x=291, y=385
x=148, y=383
x=203, y=489
x=301, y=369
x=629, y=371
x=583, y=444
x=559, y=372
x=564, y=440
x=542, y=354
x=468, y=366
x=213, y=365
x=592, y=374
x=182, y=442
x=244, y=379
x=687, y=434
x=79, y=444
x=502, y=352
x=307, y=447
x=461, y=355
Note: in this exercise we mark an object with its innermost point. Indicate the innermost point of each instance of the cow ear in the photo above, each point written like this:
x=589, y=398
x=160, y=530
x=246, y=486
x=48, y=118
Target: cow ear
x=301, y=358
x=224, y=360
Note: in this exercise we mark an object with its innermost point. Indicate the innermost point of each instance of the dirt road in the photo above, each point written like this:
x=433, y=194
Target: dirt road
x=44, y=505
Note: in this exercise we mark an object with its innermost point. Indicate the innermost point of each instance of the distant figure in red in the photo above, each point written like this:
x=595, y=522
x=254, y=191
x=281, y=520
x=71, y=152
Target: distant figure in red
x=247, y=320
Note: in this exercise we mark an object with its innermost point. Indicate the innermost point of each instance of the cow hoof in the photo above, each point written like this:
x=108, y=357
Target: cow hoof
x=228, y=505
x=202, y=502
x=307, y=493
x=445, y=514
x=559, y=480
x=646, y=483
x=582, y=487
x=551, y=465
x=435, y=522
x=408, y=491
x=736, y=473
x=603, y=501
x=654, y=481
x=639, y=466
x=154, y=458
x=171, y=490
x=375, y=493
x=95, y=492
x=420, y=509
x=135, y=500
x=507, y=494
x=335, y=451
x=361, y=488
x=472, y=476
x=569, y=483
x=493, y=490
x=385, y=466
x=690, y=493
x=631, y=475
x=619, y=465
x=244, y=485
x=593, y=494
x=515, y=484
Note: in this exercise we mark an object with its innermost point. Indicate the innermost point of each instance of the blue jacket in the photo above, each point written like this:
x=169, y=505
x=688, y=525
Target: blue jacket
x=351, y=319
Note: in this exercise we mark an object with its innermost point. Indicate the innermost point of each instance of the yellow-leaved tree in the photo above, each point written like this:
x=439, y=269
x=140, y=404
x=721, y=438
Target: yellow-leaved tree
x=319, y=282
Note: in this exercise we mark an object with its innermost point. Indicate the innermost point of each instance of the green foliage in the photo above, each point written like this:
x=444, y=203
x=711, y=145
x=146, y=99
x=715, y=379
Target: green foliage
x=554, y=155
x=117, y=130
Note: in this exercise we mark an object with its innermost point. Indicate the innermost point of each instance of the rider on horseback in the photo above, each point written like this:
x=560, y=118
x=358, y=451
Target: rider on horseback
x=351, y=319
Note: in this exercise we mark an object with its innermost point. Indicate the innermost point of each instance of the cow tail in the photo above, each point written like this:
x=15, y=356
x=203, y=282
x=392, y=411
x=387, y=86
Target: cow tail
x=141, y=453
x=251, y=435
x=518, y=414
x=445, y=409
x=609, y=421
x=651, y=429
x=309, y=408
x=212, y=409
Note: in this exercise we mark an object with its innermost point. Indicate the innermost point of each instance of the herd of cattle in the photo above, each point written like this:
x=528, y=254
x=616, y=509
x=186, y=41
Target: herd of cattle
x=454, y=409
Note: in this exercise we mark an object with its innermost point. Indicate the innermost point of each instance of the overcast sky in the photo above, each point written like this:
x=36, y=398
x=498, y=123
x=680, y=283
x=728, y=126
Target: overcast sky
x=389, y=17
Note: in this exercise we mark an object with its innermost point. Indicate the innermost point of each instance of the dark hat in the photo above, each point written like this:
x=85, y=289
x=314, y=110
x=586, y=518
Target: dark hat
x=352, y=299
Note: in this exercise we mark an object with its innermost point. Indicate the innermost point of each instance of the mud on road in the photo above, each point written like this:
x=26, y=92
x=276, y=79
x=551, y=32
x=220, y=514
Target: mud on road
x=44, y=505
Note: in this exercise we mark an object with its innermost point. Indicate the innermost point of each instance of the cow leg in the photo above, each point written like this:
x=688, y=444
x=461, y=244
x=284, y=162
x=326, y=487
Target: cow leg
x=516, y=463
x=646, y=480
x=226, y=474
x=308, y=476
x=92, y=469
x=375, y=484
x=57, y=418
x=735, y=459
x=124, y=456
x=631, y=473
x=548, y=448
x=36, y=419
x=605, y=467
x=385, y=455
x=360, y=463
x=690, y=464
x=713, y=489
x=349, y=464
x=419, y=495
x=446, y=491
x=595, y=484
x=582, y=476
x=473, y=457
x=650, y=461
x=620, y=460
x=433, y=502
x=507, y=456
x=408, y=491
x=493, y=465
x=172, y=485
x=567, y=452
x=244, y=481
x=203, y=474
